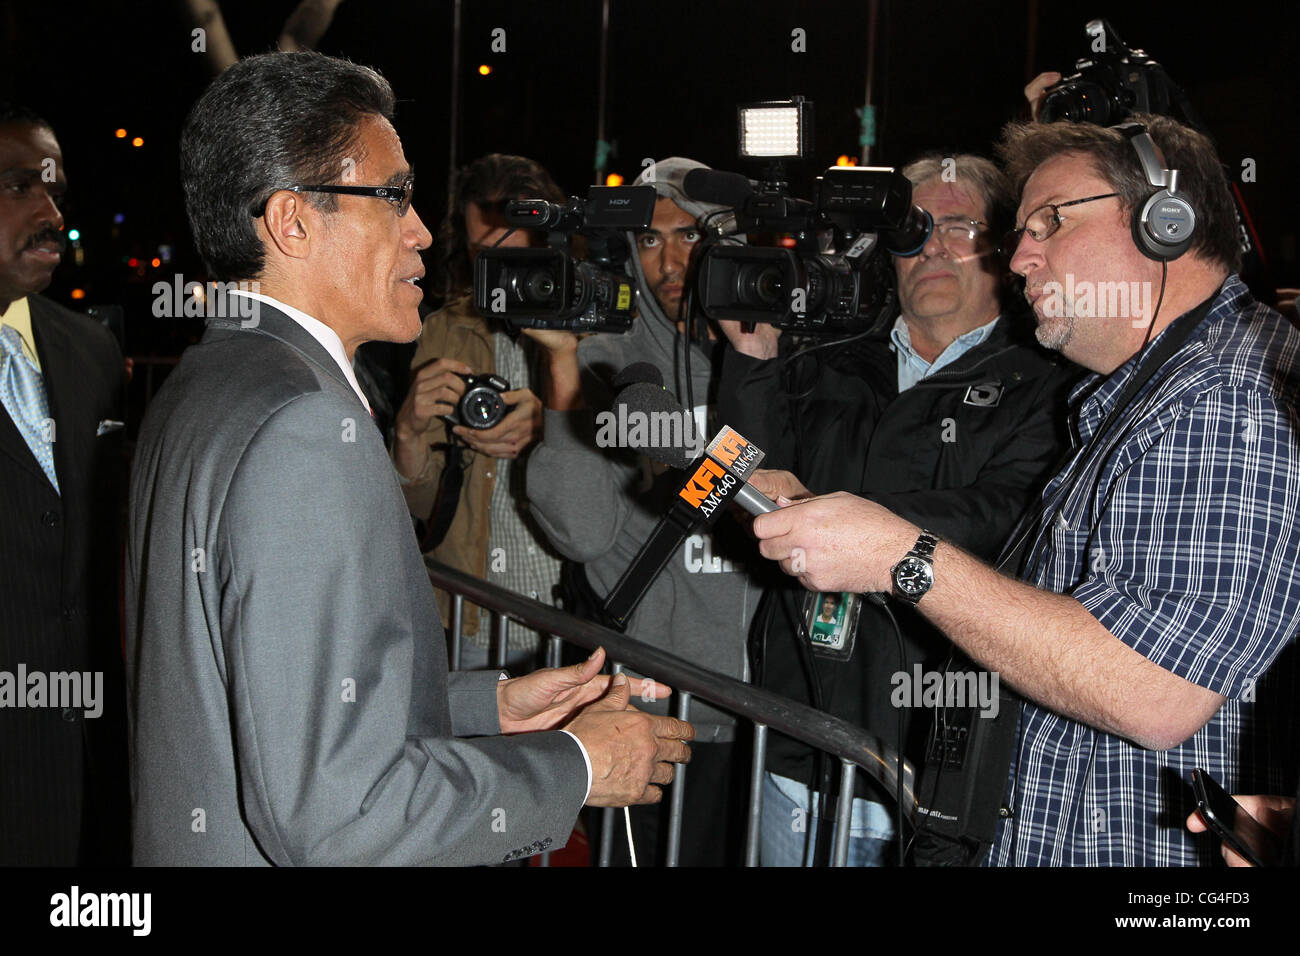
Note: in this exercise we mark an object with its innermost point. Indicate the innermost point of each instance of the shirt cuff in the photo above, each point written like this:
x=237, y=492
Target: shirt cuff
x=586, y=760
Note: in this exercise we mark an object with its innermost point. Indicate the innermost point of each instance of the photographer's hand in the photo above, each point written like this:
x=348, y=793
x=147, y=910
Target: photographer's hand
x=521, y=427
x=435, y=390
x=762, y=343
x=562, y=383
x=1037, y=86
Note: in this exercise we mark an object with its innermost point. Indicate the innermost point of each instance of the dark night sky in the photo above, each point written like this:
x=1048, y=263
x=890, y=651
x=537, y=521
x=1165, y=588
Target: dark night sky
x=948, y=75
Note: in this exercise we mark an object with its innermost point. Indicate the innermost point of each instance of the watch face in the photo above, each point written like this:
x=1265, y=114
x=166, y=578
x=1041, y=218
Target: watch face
x=913, y=576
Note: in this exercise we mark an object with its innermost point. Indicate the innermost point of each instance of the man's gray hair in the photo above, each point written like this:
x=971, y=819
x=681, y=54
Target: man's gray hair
x=981, y=176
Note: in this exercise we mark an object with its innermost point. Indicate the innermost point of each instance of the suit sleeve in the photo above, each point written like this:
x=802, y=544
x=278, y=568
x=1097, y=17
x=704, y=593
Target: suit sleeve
x=336, y=720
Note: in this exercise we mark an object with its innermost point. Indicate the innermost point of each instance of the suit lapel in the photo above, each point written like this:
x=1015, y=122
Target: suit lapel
x=71, y=406
x=271, y=321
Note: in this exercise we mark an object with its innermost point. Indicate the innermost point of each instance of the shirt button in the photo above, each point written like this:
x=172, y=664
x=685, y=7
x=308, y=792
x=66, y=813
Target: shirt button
x=69, y=613
x=69, y=714
x=533, y=595
x=50, y=519
x=489, y=474
x=1061, y=522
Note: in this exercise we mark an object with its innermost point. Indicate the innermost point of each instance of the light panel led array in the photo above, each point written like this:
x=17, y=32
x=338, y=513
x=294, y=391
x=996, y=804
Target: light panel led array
x=768, y=131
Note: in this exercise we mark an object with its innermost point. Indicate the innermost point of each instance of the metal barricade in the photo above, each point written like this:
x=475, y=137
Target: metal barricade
x=855, y=748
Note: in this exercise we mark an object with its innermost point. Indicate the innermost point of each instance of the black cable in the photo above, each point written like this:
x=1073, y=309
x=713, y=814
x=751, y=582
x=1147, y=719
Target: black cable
x=883, y=603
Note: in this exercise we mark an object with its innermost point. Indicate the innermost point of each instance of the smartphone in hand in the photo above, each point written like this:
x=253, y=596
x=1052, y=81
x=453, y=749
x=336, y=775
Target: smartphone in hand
x=1227, y=820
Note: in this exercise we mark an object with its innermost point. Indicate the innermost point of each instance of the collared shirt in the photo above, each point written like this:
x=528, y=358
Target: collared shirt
x=1179, y=534
x=517, y=560
x=912, y=368
x=19, y=317
x=322, y=333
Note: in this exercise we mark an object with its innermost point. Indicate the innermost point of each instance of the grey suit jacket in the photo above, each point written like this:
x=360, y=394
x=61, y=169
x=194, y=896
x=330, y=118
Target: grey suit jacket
x=288, y=686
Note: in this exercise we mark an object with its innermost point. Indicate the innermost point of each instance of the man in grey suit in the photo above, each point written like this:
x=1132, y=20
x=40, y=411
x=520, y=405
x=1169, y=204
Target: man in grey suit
x=289, y=690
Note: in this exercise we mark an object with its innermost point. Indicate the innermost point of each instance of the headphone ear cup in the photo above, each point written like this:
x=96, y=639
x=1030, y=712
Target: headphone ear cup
x=1163, y=227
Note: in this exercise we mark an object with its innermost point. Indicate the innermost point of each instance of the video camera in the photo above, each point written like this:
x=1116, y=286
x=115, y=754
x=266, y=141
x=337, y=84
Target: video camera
x=1114, y=82
x=550, y=289
x=833, y=279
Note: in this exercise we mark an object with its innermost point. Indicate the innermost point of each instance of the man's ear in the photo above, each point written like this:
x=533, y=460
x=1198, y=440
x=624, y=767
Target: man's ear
x=289, y=223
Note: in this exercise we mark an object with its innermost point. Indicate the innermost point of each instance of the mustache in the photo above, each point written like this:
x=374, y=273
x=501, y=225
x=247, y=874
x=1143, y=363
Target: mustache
x=48, y=235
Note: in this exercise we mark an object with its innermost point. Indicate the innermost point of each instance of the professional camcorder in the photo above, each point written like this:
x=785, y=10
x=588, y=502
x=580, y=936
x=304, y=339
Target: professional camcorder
x=828, y=276
x=1112, y=83
x=834, y=280
x=549, y=288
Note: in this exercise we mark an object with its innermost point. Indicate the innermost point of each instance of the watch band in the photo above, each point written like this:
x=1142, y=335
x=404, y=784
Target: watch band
x=925, y=545
x=923, y=552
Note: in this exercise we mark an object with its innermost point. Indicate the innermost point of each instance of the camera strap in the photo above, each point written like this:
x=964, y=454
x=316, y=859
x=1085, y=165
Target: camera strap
x=447, y=500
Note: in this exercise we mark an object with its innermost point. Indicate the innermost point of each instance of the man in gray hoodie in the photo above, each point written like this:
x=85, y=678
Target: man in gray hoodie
x=599, y=505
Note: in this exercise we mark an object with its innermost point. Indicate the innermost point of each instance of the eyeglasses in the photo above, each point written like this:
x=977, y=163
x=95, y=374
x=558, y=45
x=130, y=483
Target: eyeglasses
x=400, y=196
x=958, y=234
x=1043, y=222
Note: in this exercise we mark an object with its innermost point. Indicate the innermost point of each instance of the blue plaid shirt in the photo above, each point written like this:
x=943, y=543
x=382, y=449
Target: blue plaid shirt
x=1180, y=535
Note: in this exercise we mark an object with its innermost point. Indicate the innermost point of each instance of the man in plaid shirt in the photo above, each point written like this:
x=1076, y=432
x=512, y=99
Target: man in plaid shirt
x=1159, y=582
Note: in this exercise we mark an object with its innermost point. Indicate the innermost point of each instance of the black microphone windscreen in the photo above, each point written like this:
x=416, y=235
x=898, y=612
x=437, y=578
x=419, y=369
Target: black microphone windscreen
x=657, y=425
x=638, y=372
x=716, y=186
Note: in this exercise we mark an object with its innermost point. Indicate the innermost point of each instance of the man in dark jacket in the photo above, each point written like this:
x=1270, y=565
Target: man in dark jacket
x=63, y=793
x=951, y=416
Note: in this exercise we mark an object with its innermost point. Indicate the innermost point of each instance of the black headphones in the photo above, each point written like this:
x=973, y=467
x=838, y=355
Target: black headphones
x=1164, y=225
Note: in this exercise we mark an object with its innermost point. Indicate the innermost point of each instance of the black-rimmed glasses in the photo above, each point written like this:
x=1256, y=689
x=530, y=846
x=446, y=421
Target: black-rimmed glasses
x=1043, y=222
x=400, y=196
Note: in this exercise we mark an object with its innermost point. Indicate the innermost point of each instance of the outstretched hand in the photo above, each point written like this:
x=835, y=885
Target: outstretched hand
x=550, y=698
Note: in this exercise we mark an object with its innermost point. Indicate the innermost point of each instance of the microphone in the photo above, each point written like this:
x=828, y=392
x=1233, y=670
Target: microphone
x=718, y=187
x=644, y=372
x=723, y=454
x=714, y=480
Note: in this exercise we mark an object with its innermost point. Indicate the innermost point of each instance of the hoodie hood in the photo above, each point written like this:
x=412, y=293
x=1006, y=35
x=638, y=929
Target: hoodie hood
x=667, y=176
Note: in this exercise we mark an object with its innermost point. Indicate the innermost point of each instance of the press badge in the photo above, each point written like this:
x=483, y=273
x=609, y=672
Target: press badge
x=830, y=620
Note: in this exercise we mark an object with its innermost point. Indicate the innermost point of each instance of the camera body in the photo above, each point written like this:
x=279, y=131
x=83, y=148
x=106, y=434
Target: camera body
x=835, y=280
x=1109, y=85
x=482, y=405
x=551, y=289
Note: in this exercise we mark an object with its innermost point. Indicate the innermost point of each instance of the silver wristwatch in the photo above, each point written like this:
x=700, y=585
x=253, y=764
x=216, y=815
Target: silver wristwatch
x=914, y=575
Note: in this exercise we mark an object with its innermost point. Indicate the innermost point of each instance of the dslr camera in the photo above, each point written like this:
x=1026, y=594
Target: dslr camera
x=551, y=289
x=482, y=405
x=1112, y=83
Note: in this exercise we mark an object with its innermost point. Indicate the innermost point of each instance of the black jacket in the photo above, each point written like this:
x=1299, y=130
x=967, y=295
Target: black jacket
x=63, y=793
x=962, y=453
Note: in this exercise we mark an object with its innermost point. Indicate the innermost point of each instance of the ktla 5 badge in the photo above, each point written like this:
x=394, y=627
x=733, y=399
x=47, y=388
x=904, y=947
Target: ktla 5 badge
x=984, y=396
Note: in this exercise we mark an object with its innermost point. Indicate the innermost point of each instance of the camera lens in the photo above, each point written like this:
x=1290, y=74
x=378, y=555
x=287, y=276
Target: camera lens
x=759, y=284
x=481, y=407
x=540, y=286
x=1081, y=102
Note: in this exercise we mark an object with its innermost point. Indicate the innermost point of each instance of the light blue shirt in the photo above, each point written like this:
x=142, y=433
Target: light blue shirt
x=912, y=368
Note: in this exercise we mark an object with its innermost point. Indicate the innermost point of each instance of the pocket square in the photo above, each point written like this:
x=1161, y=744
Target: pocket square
x=108, y=425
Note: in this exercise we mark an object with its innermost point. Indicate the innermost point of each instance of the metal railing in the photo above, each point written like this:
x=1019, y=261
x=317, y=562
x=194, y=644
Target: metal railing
x=855, y=748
